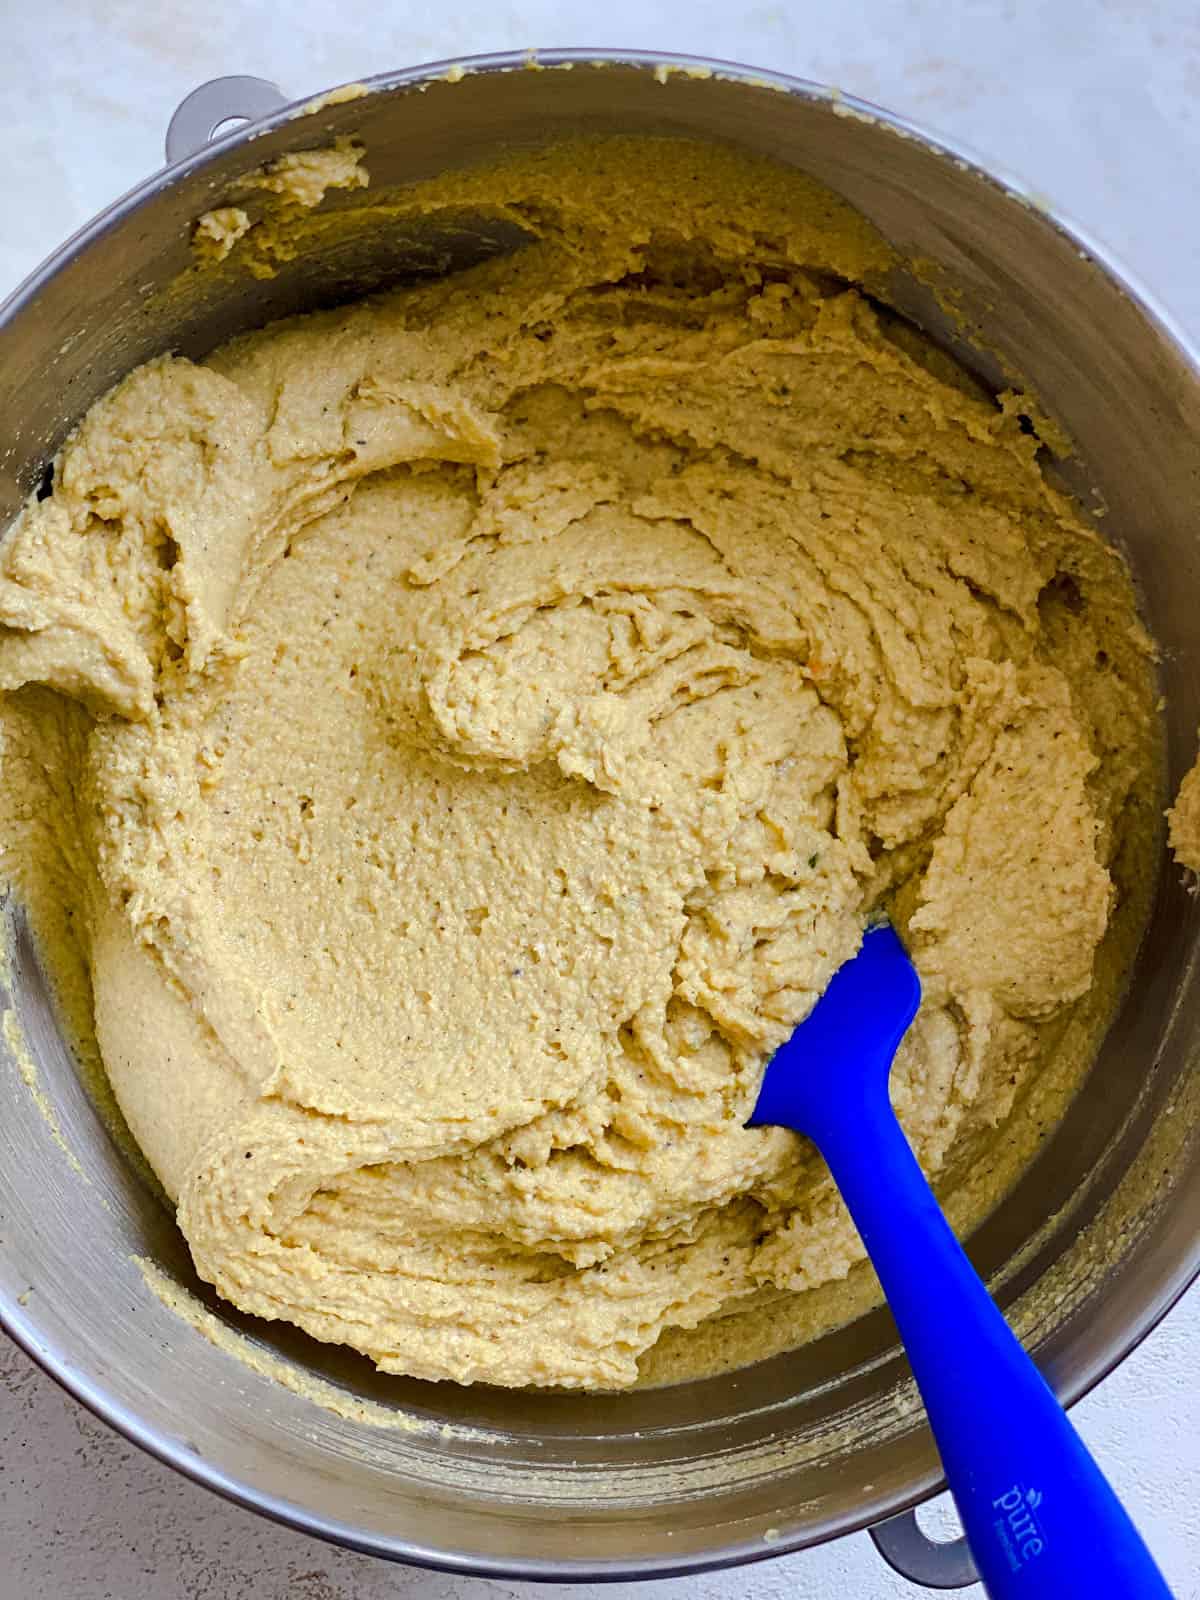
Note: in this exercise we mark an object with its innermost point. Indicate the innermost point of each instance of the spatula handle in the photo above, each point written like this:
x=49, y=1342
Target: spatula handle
x=1039, y=1515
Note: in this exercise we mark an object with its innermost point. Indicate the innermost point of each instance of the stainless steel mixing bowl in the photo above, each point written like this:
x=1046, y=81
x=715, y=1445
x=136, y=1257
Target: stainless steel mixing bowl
x=1089, y=1250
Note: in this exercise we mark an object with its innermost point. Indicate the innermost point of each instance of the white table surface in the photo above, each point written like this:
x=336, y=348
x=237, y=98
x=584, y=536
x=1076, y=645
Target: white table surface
x=1096, y=102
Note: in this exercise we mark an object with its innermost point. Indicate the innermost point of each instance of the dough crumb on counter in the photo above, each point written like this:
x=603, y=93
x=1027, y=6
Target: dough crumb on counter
x=1183, y=821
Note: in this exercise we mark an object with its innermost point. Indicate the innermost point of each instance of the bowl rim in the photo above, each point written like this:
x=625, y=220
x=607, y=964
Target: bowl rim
x=14, y=1319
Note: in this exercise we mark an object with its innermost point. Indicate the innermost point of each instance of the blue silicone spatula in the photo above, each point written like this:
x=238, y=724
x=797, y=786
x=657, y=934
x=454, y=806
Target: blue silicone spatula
x=1040, y=1517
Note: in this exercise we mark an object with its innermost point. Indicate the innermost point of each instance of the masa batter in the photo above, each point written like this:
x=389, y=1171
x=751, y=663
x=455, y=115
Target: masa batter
x=463, y=733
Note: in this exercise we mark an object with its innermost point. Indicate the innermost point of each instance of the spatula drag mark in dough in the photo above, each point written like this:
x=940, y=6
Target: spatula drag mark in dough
x=504, y=703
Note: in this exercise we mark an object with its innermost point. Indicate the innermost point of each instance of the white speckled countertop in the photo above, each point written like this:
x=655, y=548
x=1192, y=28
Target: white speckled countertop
x=1095, y=102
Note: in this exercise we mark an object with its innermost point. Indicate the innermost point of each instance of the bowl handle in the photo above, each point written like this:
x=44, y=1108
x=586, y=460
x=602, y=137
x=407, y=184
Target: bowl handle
x=221, y=100
x=908, y=1550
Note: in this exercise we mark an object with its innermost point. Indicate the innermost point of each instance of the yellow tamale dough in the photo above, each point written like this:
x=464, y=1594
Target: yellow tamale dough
x=461, y=734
